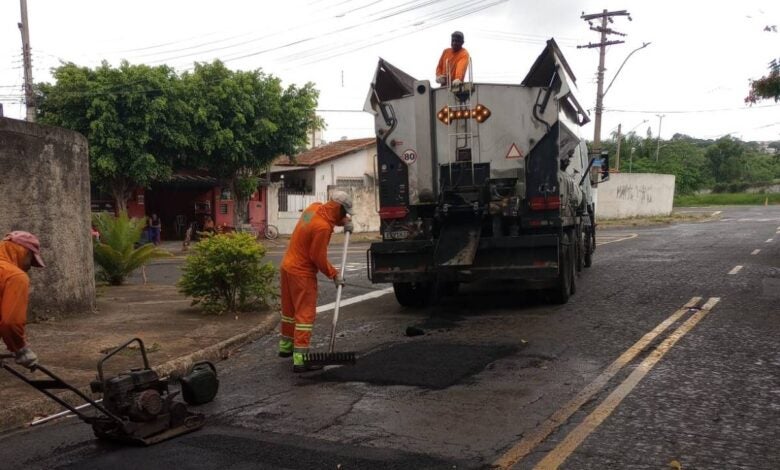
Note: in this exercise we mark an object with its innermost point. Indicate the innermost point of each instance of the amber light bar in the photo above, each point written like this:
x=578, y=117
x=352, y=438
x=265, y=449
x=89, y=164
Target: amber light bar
x=480, y=114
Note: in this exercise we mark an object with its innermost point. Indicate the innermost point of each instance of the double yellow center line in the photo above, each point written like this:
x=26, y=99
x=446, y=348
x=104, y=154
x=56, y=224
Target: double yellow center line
x=563, y=450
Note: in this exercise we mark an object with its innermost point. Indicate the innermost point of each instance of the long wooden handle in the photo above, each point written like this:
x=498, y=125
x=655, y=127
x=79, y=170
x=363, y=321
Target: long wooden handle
x=338, y=294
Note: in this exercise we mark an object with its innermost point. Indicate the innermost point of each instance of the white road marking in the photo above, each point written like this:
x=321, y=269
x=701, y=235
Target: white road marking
x=756, y=251
x=627, y=237
x=770, y=240
x=736, y=269
x=354, y=300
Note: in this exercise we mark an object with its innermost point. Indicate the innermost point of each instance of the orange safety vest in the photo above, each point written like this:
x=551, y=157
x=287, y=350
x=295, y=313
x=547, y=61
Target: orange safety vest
x=14, y=295
x=308, y=250
x=458, y=62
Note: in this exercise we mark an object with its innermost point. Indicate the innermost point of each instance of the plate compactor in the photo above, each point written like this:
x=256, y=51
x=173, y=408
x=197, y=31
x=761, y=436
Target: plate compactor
x=137, y=406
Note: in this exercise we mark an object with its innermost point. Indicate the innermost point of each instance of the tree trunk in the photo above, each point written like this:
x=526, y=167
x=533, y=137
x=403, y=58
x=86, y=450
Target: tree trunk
x=121, y=193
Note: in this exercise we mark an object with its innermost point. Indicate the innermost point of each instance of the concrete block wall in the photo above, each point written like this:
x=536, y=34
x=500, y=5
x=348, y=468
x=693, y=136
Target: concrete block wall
x=44, y=180
x=628, y=195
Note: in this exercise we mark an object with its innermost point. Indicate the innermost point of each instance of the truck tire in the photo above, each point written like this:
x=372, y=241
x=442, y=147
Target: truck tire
x=412, y=294
x=590, y=242
x=563, y=288
x=581, y=248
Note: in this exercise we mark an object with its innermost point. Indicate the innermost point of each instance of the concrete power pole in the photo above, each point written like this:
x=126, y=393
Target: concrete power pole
x=617, y=151
x=658, y=139
x=29, y=97
x=605, y=17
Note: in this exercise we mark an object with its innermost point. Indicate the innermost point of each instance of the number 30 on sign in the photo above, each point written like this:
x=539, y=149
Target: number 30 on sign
x=409, y=156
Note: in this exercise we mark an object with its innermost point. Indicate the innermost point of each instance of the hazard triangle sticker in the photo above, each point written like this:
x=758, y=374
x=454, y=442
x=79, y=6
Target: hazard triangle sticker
x=514, y=152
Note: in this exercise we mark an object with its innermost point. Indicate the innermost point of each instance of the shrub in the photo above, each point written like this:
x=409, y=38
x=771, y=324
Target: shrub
x=224, y=273
x=116, y=254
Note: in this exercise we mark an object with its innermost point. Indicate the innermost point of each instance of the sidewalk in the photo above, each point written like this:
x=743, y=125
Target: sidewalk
x=174, y=333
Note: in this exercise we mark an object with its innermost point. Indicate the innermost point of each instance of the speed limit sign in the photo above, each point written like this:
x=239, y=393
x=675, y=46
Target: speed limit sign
x=409, y=156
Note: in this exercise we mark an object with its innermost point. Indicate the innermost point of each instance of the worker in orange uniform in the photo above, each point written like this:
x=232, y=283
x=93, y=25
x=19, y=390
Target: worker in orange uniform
x=18, y=251
x=453, y=62
x=306, y=255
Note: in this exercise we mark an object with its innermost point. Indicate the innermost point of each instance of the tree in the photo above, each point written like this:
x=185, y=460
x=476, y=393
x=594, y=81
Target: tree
x=767, y=86
x=242, y=121
x=724, y=159
x=133, y=117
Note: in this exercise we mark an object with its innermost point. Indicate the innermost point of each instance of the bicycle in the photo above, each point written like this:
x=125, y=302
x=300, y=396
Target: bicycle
x=268, y=231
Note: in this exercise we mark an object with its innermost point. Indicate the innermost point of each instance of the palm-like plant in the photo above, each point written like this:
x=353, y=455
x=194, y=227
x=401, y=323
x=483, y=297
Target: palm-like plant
x=116, y=254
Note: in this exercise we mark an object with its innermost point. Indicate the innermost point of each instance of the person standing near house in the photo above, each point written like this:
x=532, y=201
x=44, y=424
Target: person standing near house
x=155, y=229
x=18, y=252
x=453, y=62
x=307, y=255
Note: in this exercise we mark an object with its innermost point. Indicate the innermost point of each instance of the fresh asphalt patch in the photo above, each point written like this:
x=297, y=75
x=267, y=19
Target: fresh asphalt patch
x=430, y=365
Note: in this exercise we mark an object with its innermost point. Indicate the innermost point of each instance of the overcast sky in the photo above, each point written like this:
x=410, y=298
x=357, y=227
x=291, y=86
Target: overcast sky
x=696, y=71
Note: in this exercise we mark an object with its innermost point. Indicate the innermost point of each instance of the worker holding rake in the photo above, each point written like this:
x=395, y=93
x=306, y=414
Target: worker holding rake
x=307, y=255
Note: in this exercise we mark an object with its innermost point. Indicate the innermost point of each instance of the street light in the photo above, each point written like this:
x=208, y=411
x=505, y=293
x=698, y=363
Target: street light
x=621, y=67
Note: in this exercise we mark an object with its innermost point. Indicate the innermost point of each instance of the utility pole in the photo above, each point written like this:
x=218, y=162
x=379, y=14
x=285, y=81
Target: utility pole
x=617, y=151
x=658, y=139
x=29, y=97
x=605, y=17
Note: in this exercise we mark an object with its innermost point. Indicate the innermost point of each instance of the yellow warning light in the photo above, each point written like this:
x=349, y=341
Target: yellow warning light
x=480, y=113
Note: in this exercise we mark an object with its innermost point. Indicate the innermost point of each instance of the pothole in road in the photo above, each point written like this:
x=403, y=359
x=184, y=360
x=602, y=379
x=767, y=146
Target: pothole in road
x=426, y=365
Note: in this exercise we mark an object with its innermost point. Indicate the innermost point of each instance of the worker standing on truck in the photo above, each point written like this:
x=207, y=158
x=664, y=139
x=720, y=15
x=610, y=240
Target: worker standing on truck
x=306, y=255
x=18, y=251
x=453, y=62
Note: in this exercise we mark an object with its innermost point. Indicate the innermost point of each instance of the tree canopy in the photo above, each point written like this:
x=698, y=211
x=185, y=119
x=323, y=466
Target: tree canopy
x=724, y=164
x=133, y=117
x=142, y=122
x=241, y=121
x=766, y=87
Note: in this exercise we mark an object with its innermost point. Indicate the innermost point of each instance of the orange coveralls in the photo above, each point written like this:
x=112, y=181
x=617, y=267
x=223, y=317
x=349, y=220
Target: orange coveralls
x=458, y=62
x=306, y=255
x=14, y=290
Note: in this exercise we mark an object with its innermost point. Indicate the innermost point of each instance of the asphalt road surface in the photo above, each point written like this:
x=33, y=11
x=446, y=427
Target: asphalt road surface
x=667, y=357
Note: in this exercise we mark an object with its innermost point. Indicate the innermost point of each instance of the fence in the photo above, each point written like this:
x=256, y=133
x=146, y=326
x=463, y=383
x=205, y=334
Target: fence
x=297, y=201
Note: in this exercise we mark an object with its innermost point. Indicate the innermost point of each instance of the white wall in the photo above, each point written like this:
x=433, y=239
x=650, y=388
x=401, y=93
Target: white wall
x=357, y=164
x=365, y=216
x=635, y=194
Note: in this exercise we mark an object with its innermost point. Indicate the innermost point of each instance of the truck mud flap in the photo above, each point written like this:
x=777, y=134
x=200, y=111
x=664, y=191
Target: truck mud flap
x=400, y=261
x=457, y=245
x=529, y=257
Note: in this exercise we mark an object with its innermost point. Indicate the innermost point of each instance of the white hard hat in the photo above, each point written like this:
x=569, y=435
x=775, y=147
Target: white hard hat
x=344, y=199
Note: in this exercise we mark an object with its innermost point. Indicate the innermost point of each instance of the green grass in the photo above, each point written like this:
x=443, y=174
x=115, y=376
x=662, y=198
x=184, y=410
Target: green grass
x=726, y=199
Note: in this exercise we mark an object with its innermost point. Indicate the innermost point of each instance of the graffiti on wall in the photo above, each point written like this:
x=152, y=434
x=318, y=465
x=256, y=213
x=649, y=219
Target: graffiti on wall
x=638, y=193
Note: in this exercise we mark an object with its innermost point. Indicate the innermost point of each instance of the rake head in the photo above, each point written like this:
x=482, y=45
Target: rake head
x=330, y=359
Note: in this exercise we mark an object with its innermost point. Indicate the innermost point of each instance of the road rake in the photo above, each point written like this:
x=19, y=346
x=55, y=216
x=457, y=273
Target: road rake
x=333, y=358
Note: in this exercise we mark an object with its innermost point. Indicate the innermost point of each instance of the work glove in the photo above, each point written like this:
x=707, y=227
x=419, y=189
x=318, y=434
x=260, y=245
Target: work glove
x=441, y=79
x=27, y=358
x=348, y=227
x=338, y=280
x=457, y=82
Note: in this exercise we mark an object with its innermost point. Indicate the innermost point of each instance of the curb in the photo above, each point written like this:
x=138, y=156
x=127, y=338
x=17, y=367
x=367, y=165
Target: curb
x=20, y=416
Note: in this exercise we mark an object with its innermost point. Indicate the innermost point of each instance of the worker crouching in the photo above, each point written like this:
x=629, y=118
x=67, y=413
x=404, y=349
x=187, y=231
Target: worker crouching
x=18, y=252
x=307, y=255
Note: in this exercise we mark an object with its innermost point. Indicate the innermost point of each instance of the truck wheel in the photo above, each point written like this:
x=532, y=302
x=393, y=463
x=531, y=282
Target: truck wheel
x=580, y=251
x=590, y=244
x=563, y=288
x=412, y=294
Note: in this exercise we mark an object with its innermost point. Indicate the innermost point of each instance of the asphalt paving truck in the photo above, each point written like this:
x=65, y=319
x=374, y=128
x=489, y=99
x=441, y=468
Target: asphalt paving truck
x=481, y=181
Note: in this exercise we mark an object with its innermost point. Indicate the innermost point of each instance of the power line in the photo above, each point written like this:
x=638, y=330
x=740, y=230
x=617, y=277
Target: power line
x=691, y=111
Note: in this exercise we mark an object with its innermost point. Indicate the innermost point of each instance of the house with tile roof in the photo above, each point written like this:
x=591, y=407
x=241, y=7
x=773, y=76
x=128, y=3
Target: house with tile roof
x=311, y=175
